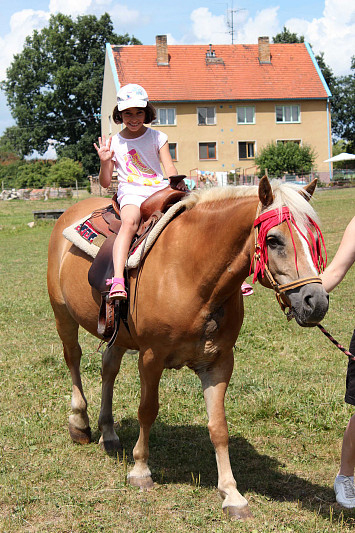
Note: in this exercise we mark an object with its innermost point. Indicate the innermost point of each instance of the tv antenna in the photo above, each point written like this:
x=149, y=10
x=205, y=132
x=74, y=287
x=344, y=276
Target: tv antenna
x=230, y=20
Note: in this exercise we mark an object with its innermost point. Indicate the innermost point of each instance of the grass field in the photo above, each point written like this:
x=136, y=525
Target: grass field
x=284, y=407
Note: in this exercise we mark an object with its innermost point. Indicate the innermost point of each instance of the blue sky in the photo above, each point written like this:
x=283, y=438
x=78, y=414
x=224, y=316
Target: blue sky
x=329, y=25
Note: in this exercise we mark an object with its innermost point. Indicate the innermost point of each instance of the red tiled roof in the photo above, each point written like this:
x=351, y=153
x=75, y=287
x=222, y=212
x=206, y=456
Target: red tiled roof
x=290, y=75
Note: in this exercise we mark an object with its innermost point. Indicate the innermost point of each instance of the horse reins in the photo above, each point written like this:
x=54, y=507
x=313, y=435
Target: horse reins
x=260, y=266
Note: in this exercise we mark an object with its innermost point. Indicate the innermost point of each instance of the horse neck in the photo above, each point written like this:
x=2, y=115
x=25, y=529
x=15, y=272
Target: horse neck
x=223, y=237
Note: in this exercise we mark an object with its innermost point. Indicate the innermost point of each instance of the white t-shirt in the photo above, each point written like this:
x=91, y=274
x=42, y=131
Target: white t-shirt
x=137, y=163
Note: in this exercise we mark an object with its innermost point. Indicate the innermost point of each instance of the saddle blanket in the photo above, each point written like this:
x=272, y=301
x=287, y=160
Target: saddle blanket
x=86, y=238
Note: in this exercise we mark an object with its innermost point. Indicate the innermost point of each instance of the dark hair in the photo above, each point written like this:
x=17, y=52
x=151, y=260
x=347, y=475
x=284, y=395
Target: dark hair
x=150, y=114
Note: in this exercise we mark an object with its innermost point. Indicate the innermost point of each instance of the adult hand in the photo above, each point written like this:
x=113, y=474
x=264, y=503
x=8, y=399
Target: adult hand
x=104, y=150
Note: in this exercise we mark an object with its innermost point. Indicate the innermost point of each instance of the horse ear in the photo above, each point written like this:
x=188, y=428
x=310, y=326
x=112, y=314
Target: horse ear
x=309, y=188
x=265, y=192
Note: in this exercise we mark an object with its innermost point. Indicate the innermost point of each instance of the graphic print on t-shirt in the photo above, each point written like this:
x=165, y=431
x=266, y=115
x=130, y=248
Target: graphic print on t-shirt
x=138, y=171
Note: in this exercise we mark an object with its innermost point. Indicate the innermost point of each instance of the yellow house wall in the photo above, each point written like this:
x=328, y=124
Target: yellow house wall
x=226, y=133
x=108, y=101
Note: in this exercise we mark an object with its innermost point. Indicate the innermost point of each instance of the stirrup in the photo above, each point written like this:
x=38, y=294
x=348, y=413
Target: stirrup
x=116, y=294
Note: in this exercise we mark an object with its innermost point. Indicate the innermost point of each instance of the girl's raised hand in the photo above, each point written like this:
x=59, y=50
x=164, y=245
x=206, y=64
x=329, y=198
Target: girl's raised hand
x=104, y=150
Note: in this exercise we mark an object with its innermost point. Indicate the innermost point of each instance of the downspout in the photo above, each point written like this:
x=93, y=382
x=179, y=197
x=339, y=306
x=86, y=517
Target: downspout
x=329, y=142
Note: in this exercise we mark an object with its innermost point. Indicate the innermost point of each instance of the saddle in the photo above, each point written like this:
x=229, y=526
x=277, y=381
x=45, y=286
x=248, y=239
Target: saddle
x=107, y=222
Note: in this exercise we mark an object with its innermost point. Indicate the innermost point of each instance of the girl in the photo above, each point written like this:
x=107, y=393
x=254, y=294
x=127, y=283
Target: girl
x=136, y=153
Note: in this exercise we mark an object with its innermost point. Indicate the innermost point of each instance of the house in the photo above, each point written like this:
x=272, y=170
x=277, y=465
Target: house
x=219, y=105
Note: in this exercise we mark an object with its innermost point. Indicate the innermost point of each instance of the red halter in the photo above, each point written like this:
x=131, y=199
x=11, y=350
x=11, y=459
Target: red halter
x=273, y=218
x=262, y=225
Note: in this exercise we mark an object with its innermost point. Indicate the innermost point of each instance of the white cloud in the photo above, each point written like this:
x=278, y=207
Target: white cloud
x=68, y=7
x=208, y=28
x=22, y=24
x=265, y=23
x=333, y=33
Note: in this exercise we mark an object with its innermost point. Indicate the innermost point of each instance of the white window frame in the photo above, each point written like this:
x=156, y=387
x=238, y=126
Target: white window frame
x=284, y=108
x=247, y=158
x=245, y=107
x=212, y=122
x=208, y=158
x=157, y=122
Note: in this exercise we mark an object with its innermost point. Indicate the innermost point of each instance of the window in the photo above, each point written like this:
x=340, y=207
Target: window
x=246, y=115
x=173, y=151
x=207, y=150
x=285, y=141
x=206, y=116
x=246, y=149
x=287, y=113
x=166, y=116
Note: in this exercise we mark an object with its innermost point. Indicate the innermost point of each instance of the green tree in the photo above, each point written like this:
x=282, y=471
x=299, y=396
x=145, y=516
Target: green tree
x=343, y=108
x=32, y=174
x=65, y=173
x=53, y=87
x=287, y=37
x=281, y=158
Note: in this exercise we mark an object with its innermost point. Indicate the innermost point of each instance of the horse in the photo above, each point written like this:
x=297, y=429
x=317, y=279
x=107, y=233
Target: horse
x=186, y=305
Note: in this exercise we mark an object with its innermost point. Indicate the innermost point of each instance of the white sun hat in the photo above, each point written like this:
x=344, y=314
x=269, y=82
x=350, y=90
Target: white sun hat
x=131, y=95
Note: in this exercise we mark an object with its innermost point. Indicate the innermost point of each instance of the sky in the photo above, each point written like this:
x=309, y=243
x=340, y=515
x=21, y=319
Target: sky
x=328, y=25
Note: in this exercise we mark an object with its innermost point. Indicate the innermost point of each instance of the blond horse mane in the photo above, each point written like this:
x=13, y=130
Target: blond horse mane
x=285, y=194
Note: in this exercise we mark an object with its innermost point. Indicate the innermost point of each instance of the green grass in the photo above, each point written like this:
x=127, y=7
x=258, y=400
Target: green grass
x=285, y=412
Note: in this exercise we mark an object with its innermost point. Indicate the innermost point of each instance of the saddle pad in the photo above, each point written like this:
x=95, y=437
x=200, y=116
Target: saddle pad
x=87, y=239
x=84, y=236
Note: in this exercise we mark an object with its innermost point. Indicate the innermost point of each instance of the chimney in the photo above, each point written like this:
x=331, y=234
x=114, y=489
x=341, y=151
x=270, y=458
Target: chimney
x=264, y=50
x=162, y=50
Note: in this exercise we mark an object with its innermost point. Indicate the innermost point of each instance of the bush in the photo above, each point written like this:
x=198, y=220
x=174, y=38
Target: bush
x=281, y=158
x=65, y=173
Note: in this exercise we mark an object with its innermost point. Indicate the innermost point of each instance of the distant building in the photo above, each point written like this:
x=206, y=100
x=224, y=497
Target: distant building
x=219, y=105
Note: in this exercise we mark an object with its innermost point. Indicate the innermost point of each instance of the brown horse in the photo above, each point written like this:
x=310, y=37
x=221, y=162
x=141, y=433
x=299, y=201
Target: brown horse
x=188, y=308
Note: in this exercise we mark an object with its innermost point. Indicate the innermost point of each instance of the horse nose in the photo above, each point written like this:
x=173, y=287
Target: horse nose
x=315, y=302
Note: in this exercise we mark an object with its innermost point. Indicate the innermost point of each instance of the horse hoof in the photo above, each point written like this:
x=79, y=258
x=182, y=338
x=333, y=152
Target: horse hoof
x=81, y=436
x=111, y=447
x=238, y=513
x=144, y=483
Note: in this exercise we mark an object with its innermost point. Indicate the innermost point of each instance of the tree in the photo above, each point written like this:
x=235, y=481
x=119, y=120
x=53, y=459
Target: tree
x=343, y=108
x=281, y=158
x=287, y=37
x=32, y=174
x=54, y=86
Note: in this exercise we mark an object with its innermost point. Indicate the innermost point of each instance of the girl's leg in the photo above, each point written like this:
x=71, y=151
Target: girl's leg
x=130, y=216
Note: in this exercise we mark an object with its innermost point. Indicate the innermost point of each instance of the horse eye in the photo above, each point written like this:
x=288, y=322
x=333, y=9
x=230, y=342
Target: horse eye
x=273, y=241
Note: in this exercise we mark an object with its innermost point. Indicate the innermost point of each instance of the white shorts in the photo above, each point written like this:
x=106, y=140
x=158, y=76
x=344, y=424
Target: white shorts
x=129, y=194
x=132, y=199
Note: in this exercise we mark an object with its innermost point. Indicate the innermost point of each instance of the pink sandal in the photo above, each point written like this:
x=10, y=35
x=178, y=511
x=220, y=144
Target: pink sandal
x=246, y=289
x=116, y=293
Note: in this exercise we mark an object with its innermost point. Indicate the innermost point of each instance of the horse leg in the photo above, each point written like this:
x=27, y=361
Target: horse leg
x=79, y=427
x=214, y=383
x=111, y=362
x=150, y=373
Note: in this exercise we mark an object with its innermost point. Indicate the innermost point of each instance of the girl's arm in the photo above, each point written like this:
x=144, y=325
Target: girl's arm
x=107, y=165
x=342, y=261
x=166, y=161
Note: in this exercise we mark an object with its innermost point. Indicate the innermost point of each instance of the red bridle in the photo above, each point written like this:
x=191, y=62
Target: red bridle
x=262, y=226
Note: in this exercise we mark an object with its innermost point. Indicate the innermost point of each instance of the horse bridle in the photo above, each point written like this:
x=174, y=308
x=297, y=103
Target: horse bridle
x=279, y=290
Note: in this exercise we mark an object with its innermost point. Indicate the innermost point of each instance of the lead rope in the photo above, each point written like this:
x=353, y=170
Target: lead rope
x=336, y=343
